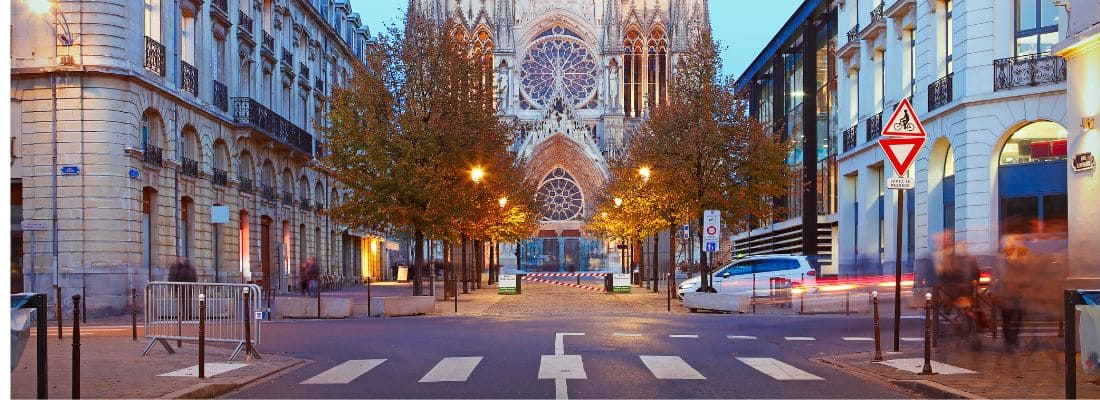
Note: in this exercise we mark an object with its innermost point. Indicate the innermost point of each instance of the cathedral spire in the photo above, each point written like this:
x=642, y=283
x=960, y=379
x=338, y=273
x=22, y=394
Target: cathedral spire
x=503, y=19
x=612, y=24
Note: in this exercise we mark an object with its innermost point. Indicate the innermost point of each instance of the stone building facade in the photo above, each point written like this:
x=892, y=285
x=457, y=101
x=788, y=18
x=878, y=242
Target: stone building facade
x=577, y=77
x=149, y=130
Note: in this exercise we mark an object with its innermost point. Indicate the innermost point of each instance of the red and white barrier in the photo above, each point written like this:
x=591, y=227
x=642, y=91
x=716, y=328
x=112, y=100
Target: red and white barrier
x=572, y=285
x=567, y=274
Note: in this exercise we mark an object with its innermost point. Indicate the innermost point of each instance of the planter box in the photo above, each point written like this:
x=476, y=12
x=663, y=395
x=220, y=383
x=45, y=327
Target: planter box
x=717, y=302
x=401, y=305
x=302, y=307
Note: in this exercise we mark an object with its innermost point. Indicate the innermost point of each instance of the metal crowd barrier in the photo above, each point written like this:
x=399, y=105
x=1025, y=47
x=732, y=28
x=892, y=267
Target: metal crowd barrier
x=172, y=313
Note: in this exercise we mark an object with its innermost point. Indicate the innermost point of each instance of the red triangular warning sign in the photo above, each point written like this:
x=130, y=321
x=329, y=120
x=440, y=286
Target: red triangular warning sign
x=904, y=122
x=901, y=151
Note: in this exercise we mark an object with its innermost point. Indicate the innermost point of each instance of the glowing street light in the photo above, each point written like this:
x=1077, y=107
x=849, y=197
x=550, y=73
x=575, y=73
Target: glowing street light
x=644, y=172
x=39, y=6
x=477, y=174
x=44, y=8
x=503, y=201
x=618, y=202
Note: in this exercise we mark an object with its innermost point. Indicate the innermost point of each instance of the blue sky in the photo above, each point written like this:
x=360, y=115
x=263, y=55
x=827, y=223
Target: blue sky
x=743, y=26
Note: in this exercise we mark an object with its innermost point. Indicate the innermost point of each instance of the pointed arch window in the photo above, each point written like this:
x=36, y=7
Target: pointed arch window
x=632, y=73
x=482, y=52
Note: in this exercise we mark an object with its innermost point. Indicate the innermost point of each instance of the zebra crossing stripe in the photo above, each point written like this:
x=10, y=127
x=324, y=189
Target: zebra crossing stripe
x=779, y=370
x=211, y=369
x=799, y=338
x=344, y=373
x=626, y=334
x=740, y=337
x=849, y=338
x=684, y=336
x=452, y=369
x=670, y=367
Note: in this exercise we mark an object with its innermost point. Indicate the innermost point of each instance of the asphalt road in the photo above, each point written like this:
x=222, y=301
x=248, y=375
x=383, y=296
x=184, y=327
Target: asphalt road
x=437, y=357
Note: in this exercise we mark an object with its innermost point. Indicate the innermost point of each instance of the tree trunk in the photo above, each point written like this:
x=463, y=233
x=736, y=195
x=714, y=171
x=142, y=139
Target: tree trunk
x=447, y=270
x=465, y=279
x=671, y=257
x=656, y=260
x=479, y=252
x=704, y=270
x=418, y=260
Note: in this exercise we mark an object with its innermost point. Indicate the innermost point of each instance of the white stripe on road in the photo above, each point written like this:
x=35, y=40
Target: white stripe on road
x=344, y=373
x=850, y=338
x=684, y=336
x=912, y=339
x=740, y=337
x=627, y=334
x=778, y=369
x=916, y=365
x=562, y=367
x=561, y=390
x=799, y=338
x=211, y=370
x=559, y=341
x=670, y=367
x=452, y=369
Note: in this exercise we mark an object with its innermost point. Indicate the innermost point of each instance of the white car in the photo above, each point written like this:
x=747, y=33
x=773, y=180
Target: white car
x=737, y=276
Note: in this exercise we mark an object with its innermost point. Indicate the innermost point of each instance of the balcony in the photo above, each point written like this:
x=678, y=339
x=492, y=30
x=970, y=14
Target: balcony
x=246, y=185
x=189, y=78
x=244, y=24
x=190, y=167
x=267, y=192
x=267, y=46
x=288, y=198
x=153, y=155
x=251, y=112
x=303, y=71
x=1026, y=71
x=220, y=5
x=221, y=96
x=874, y=126
x=221, y=177
x=287, y=59
x=940, y=92
x=850, y=138
x=154, y=56
x=877, y=15
x=853, y=34
x=303, y=204
x=319, y=208
x=319, y=84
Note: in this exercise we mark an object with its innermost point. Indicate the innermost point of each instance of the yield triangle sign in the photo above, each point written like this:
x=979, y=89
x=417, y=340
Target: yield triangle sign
x=904, y=122
x=901, y=151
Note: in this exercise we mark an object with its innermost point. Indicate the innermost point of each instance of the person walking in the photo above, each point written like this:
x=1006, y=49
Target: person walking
x=303, y=278
x=182, y=271
x=312, y=274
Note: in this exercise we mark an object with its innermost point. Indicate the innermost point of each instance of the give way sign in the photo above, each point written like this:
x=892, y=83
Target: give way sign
x=903, y=137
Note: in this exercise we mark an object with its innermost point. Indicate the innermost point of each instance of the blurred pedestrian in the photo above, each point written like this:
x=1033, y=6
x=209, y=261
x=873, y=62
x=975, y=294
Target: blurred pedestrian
x=182, y=271
x=303, y=278
x=313, y=274
x=1008, y=287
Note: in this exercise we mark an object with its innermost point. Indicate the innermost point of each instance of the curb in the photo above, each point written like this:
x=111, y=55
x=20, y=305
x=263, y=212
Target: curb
x=215, y=389
x=927, y=388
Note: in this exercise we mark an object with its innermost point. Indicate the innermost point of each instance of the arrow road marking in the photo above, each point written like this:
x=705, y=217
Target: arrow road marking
x=344, y=373
x=452, y=369
x=670, y=367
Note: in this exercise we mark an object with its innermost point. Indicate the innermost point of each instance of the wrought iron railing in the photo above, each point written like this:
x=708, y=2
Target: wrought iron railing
x=153, y=155
x=319, y=84
x=249, y=111
x=246, y=185
x=303, y=70
x=189, y=78
x=220, y=177
x=303, y=203
x=244, y=23
x=220, y=5
x=267, y=192
x=154, y=56
x=1030, y=70
x=190, y=167
x=221, y=96
x=874, y=126
x=287, y=58
x=853, y=34
x=268, y=42
x=877, y=14
x=940, y=92
x=319, y=207
x=850, y=138
x=288, y=198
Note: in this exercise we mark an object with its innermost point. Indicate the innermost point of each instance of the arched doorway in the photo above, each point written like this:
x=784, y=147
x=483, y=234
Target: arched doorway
x=1032, y=187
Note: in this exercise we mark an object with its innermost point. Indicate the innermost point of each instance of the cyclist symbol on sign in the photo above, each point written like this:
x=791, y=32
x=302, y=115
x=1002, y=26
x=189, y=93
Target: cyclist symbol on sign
x=904, y=123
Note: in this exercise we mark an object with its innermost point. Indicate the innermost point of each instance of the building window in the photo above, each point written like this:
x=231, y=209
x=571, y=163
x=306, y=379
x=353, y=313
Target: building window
x=632, y=73
x=243, y=247
x=1036, y=142
x=187, y=207
x=1036, y=26
x=152, y=19
x=187, y=36
x=148, y=224
x=948, y=37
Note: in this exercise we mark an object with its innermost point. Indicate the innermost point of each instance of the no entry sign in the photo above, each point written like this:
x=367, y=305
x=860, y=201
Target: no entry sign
x=712, y=221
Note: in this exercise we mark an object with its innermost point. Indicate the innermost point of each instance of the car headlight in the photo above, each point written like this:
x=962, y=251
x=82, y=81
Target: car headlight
x=686, y=285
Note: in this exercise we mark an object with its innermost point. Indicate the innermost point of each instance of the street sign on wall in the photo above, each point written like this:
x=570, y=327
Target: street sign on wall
x=712, y=221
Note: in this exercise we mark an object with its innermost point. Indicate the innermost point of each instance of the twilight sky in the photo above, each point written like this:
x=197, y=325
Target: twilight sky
x=742, y=26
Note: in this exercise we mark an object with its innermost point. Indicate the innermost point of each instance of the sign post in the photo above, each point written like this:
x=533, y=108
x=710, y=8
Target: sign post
x=902, y=138
x=712, y=221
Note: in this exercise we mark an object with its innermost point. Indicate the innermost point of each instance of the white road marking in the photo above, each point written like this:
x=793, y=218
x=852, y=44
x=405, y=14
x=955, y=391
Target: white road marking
x=561, y=391
x=344, y=373
x=778, y=369
x=211, y=370
x=670, y=367
x=912, y=339
x=850, y=338
x=799, y=338
x=562, y=367
x=559, y=341
x=740, y=337
x=916, y=365
x=627, y=334
x=684, y=336
x=452, y=369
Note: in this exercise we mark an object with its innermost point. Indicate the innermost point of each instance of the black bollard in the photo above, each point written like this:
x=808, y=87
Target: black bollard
x=878, y=335
x=247, y=327
x=927, y=370
x=133, y=313
x=668, y=299
x=57, y=312
x=202, y=336
x=76, y=346
x=42, y=377
x=368, y=297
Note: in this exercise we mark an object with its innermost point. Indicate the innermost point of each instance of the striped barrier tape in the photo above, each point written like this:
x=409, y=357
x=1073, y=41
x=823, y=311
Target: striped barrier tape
x=567, y=274
x=572, y=285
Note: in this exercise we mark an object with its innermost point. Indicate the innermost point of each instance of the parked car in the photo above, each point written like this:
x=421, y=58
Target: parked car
x=737, y=276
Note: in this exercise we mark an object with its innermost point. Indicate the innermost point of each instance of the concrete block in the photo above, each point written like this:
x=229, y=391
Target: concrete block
x=402, y=305
x=717, y=301
x=303, y=307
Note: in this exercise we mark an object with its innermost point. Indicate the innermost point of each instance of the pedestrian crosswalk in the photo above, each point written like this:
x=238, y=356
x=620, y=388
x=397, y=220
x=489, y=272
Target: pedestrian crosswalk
x=344, y=373
x=452, y=369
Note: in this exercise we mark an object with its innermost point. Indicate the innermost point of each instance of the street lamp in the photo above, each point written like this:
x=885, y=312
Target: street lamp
x=477, y=174
x=503, y=201
x=618, y=202
x=644, y=172
x=43, y=7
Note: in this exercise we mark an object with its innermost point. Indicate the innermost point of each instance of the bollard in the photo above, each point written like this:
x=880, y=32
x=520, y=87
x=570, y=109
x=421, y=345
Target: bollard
x=318, y=299
x=752, y=298
x=848, y=302
x=133, y=313
x=202, y=336
x=368, y=297
x=76, y=346
x=57, y=312
x=41, y=320
x=247, y=327
x=878, y=336
x=668, y=298
x=927, y=370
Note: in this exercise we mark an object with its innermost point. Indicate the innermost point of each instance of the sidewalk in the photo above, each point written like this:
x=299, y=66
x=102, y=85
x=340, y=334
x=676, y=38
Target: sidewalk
x=113, y=367
x=1034, y=371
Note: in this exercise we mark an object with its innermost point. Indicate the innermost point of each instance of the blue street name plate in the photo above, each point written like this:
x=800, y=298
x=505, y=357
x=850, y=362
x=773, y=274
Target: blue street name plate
x=70, y=170
x=135, y=174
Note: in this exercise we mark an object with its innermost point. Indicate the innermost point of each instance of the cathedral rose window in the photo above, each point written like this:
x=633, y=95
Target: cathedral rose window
x=558, y=60
x=559, y=198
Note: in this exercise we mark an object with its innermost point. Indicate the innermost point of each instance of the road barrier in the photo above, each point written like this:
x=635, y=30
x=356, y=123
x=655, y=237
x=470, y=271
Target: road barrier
x=536, y=277
x=172, y=313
